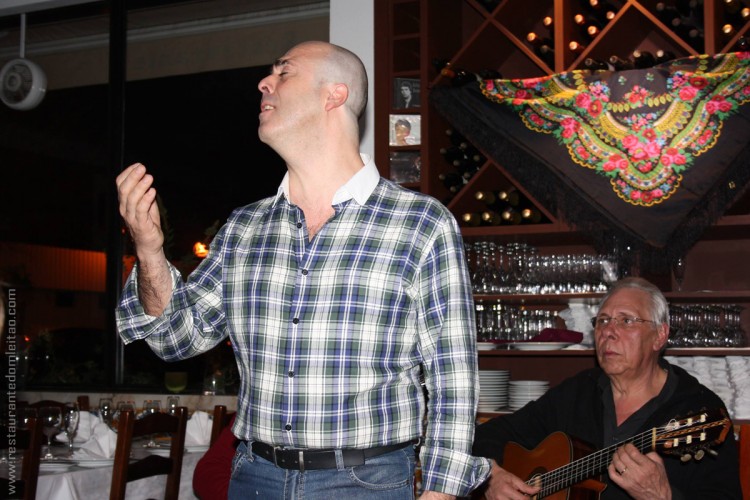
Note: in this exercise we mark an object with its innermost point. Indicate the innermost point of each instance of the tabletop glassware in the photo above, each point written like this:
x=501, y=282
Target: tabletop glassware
x=150, y=407
x=172, y=403
x=105, y=410
x=70, y=421
x=51, y=424
x=678, y=271
x=175, y=382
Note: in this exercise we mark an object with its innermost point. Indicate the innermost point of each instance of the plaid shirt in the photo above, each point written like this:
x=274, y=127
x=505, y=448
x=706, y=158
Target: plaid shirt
x=330, y=334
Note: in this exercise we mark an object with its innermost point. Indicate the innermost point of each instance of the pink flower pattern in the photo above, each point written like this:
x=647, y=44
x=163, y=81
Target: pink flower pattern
x=646, y=162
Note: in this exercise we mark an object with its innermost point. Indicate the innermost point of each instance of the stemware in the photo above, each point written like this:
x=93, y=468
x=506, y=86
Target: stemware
x=175, y=382
x=105, y=410
x=150, y=407
x=51, y=423
x=71, y=418
x=172, y=403
x=678, y=271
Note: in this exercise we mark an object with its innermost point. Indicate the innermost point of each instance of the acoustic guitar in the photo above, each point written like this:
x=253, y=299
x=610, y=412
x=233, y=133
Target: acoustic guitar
x=563, y=470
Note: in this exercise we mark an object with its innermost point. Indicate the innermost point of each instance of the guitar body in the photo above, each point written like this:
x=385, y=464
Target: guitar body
x=557, y=450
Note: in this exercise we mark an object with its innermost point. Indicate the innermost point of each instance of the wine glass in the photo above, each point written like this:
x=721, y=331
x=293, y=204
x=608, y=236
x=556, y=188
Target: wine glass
x=175, y=382
x=151, y=407
x=105, y=410
x=51, y=423
x=71, y=418
x=172, y=403
x=678, y=271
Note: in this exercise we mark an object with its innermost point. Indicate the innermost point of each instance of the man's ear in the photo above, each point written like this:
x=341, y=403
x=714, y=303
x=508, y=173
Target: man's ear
x=337, y=96
x=662, y=336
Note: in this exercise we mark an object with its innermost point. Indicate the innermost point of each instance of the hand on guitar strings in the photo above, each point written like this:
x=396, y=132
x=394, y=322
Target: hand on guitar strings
x=502, y=484
x=641, y=476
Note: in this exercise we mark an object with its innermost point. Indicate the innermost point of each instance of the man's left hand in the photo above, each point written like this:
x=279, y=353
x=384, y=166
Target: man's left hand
x=434, y=495
x=641, y=476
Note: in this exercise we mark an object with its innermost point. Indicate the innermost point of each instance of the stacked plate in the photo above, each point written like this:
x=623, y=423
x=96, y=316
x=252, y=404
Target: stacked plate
x=493, y=389
x=523, y=391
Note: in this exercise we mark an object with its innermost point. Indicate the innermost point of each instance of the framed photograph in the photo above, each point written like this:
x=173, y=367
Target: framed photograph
x=405, y=93
x=405, y=130
x=406, y=166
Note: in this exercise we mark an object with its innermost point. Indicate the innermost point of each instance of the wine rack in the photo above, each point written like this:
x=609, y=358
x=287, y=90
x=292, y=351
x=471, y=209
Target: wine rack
x=435, y=40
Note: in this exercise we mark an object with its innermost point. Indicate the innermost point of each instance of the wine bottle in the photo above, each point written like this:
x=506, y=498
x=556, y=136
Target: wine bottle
x=509, y=196
x=547, y=53
x=728, y=30
x=643, y=59
x=663, y=56
x=531, y=216
x=511, y=216
x=594, y=64
x=452, y=181
x=455, y=137
x=592, y=31
x=620, y=64
x=742, y=45
x=548, y=21
x=459, y=77
x=452, y=153
x=576, y=47
x=536, y=40
x=471, y=219
x=491, y=218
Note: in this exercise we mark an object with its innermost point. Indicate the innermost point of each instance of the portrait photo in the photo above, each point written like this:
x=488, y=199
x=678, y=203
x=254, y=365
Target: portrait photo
x=405, y=93
x=404, y=130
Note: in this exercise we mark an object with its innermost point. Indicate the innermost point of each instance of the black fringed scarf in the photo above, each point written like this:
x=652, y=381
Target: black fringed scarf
x=647, y=157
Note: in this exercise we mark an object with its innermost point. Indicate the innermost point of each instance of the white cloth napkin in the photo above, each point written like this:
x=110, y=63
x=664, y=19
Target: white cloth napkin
x=198, y=431
x=86, y=423
x=101, y=444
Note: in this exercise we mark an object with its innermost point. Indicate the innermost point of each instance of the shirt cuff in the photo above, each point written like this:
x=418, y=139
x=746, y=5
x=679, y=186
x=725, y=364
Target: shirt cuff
x=452, y=472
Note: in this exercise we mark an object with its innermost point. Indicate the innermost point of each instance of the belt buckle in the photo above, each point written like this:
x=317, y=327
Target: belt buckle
x=275, y=457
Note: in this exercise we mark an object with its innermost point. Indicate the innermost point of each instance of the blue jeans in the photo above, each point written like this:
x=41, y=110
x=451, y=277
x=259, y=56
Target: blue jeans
x=386, y=477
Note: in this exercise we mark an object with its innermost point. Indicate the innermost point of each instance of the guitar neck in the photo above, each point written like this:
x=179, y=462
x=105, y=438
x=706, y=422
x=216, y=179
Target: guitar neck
x=590, y=465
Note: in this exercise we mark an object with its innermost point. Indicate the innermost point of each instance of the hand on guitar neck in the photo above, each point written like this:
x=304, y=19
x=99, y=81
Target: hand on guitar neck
x=642, y=476
x=561, y=463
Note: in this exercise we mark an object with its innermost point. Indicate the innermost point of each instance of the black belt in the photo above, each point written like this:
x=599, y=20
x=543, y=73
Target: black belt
x=288, y=458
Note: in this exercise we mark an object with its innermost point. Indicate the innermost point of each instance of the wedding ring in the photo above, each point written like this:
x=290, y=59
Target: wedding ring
x=621, y=472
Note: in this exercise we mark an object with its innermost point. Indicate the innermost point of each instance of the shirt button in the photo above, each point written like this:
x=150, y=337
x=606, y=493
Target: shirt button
x=299, y=225
x=288, y=427
x=304, y=272
x=291, y=373
x=295, y=320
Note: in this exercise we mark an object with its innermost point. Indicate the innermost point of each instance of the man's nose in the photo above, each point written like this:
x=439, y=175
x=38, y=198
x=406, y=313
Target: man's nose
x=265, y=85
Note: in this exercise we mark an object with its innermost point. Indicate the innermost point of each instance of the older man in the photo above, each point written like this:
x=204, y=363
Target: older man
x=631, y=391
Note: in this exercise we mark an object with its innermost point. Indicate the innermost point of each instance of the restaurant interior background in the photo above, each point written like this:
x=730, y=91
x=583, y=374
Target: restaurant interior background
x=191, y=104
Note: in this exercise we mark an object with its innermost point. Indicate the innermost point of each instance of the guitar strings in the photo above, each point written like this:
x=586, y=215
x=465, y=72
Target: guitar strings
x=578, y=470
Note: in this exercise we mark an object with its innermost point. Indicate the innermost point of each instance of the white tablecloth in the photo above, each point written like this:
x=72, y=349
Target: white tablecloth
x=80, y=483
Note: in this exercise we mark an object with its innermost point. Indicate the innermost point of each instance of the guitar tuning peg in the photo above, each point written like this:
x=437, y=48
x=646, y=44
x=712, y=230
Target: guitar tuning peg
x=686, y=457
x=700, y=454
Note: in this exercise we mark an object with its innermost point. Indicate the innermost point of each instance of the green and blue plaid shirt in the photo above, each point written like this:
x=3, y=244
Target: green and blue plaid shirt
x=329, y=334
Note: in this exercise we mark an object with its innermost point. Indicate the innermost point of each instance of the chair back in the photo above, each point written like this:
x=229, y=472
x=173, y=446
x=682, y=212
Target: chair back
x=128, y=428
x=743, y=446
x=30, y=440
x=221, y=420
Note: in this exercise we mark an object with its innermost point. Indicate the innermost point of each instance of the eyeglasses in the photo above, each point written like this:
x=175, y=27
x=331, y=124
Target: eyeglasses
x=623, y=322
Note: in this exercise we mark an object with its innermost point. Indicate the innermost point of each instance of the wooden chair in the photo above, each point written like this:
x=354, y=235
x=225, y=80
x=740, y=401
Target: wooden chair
x=743, y=446
x=28, y=439
x=221, y=420
x=125, y=471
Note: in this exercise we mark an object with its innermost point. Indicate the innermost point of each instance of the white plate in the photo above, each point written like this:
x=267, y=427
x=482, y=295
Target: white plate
x=539, y=346
x=485, y=346
x=162, y=452
x=55, y=466
x=95, y=462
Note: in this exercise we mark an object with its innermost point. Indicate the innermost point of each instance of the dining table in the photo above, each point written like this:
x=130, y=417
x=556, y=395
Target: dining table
x=59, y=480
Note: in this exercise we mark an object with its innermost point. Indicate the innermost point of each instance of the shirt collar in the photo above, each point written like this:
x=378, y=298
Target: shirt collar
x=359, y=187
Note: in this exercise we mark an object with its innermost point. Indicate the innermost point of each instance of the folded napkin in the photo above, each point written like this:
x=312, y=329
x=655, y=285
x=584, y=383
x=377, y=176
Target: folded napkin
x=101, y=444
x=558, y=335
x=198, y=431
x=86, y=423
